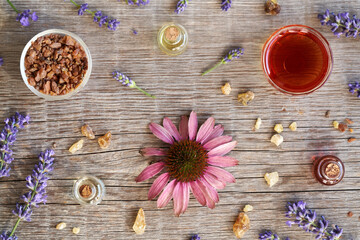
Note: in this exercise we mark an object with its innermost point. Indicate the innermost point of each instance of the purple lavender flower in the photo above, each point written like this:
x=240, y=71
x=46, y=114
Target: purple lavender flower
x=341, y=24
x=98, y=16
x=355, y=88
x=37, y=183
x=1, y=61
x=125, y=80
x=24, y=17
x=195, y=237
x=7, y=138
x=113, y=24
x=6, y=236
x=83, y=8
x=235, y=53
x=137, y=2
x=268, y=235
x=306, y=219
x=226, y=5
x=181, y=5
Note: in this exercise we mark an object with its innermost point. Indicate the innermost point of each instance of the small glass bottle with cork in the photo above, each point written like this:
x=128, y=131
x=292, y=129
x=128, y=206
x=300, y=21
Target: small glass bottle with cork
x=172, y=39
x=329, y=170
x=89, y=190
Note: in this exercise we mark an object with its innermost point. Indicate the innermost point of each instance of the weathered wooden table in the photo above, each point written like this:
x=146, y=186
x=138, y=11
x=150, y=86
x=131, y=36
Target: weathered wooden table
x=176, y=81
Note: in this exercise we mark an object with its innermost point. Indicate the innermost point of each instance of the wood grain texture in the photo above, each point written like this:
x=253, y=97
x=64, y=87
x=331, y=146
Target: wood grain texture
x=176, y=81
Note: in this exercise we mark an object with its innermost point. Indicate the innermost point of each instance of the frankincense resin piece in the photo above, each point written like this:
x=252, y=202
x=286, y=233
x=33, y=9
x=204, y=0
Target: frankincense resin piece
x=140, y=224
x=242, y=225
x=87, y=132
x=104, y=141
x=76, y=146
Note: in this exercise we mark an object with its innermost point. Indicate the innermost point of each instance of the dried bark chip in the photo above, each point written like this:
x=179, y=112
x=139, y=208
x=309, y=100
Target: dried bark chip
x=349, y=121
x=342, y=127
x=327, y=114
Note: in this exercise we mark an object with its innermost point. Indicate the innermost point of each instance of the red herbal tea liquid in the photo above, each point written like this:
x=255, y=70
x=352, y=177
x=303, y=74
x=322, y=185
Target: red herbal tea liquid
x=297, y=60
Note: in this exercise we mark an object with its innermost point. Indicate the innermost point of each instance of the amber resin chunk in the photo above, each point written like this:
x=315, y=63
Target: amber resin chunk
x=242, y=225
x=140, y=224
x=76, y=146
x=104, y=141
x=87, y=132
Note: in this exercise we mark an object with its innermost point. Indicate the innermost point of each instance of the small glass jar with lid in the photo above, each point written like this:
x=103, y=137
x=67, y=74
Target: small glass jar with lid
x=89, y=190
x=173, y=39
x=329, y=170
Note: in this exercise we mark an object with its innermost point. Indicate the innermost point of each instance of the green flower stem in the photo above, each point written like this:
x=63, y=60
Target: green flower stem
x=12, y=6
x=87, y=10
x=147, y=94
x=26, y=207
x=214, y=67
x=73, y=2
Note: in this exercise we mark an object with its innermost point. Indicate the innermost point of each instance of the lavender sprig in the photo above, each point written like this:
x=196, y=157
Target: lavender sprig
x=355, y=88
x=23, y=17
x=7, y=138
x=268, y=235
x=195, y=237
x=341, y=24
x=226, y=5
x=37, y=183
x=306, y=219
x=125, y=80
x=181, y=5
x=235, y=53
x=137, y=2
x=1, y=61
x=98, y=17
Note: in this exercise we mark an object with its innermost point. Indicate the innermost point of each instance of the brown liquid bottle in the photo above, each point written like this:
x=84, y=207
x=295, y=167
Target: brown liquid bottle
x=329, y=170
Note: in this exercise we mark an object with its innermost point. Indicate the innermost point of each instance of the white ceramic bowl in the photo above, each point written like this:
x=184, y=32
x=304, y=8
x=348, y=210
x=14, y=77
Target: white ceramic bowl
x=59, y=32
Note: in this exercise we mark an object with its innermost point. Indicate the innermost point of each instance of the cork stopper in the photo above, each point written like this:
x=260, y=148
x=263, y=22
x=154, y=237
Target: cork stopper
x=332, y=170
x=172, y=34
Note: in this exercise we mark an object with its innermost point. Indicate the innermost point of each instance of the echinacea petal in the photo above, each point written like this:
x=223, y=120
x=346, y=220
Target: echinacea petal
x=148, y=152
x=217, y=132
x=158, y=185
x=178, y=198
x=210, y=203
x=217, y=142
x=212, y=191
x=223, y=161
x=169, y=125
x=166, y=195
x=161, y=133
x=183, y=127
x=198, y=194
x=216, y=183
x=186, y=195
x=221, y=174
x=205, y=129
x=222, y=149
x=150, y=171
x=193, y=125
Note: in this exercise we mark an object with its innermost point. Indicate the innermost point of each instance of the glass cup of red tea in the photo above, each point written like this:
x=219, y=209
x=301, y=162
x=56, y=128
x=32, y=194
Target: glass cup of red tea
x=297, y=60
